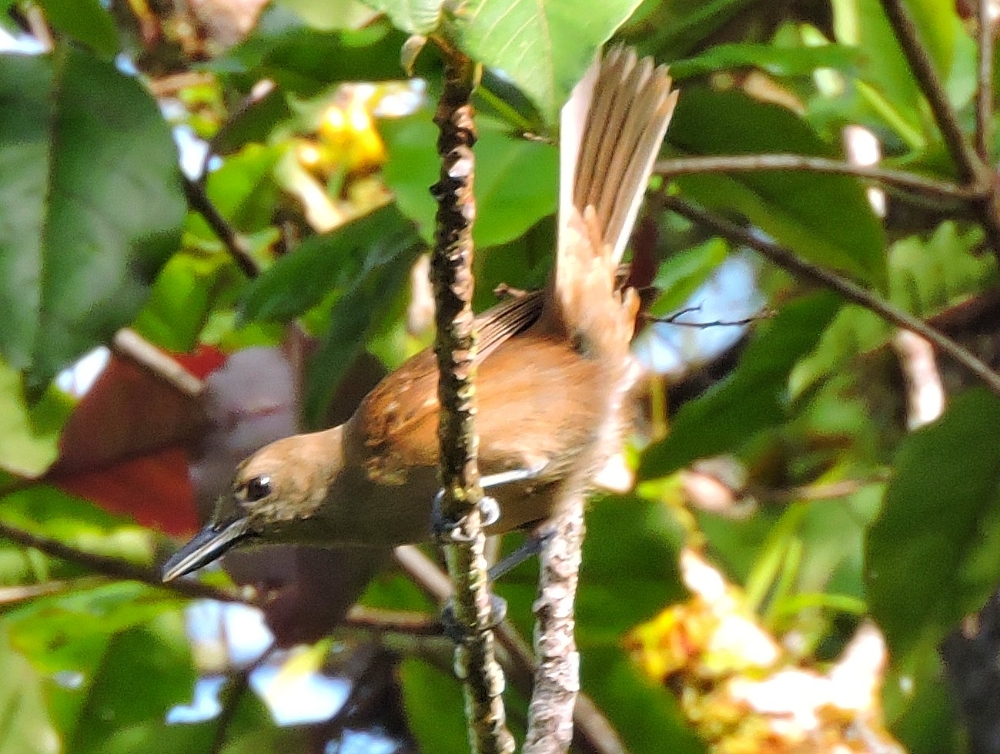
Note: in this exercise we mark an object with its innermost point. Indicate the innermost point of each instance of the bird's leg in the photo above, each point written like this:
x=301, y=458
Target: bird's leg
x=490, y=512
x=445, y=530
x=533, y=545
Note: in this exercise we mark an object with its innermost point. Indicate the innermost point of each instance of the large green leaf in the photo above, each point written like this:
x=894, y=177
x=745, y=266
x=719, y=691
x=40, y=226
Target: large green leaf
x=515, y=184
x=931, y=555
x=92, y=206
x=825, y=218
x=433, y=701
x=545, y=47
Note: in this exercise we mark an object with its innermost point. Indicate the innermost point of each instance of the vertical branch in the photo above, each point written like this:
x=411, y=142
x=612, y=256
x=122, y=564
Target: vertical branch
x=451, y=274
x=557, y=672
x=984, y=91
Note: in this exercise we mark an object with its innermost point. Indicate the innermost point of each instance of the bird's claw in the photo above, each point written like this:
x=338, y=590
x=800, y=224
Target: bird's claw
x=445, y=529
x=460, y=634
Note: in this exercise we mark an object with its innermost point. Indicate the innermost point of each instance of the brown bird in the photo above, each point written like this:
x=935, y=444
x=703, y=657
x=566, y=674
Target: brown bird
x=552, y=368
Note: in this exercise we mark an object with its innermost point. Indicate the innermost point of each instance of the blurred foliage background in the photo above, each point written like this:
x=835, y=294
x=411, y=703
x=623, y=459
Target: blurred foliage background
x=229, y=200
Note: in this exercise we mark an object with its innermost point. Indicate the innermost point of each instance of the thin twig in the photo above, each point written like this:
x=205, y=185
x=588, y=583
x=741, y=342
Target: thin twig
x=233, y=693
x=115, y=568
x=972, y=170
x=984, y=83
x=676, y=166
x=674, y=319
x=234, y=243
x=969, y=166
x=131, y=345
x=395, y=621
x=451, y=274
x=846, y=288
x=593, y=733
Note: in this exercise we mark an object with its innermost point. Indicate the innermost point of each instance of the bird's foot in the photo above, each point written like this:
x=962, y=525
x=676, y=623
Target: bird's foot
x=460, y=634
x=446, y=529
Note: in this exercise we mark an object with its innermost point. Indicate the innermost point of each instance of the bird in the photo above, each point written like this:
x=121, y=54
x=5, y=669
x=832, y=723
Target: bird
x=552, y=368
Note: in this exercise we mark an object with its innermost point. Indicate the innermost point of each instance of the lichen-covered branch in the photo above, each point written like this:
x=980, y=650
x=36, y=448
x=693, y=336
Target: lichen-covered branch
x=557, y=670
x=451, y=274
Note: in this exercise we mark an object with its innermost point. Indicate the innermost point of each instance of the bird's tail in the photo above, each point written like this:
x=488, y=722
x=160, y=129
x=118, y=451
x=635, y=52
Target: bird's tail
x=611, y=131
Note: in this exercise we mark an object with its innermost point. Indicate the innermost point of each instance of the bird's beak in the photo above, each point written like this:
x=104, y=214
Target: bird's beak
x=207, y=545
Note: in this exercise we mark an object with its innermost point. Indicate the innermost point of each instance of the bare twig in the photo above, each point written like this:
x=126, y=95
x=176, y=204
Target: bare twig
x=128, y=343
x=984, y=83
x=115, y=567
x=674, y=319
x=972, y=170
x=901, y=179
x=395, y=621
x=846, y=288
x=234, y=243
x=968, y=163
x=594, y=734
x=451, y=274
x=233, y=693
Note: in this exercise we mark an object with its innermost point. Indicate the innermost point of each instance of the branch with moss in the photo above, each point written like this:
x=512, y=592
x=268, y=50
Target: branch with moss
x=451, y=273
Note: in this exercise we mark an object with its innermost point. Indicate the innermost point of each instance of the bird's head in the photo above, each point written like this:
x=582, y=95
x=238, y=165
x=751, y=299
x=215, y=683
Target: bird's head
x=273, y=493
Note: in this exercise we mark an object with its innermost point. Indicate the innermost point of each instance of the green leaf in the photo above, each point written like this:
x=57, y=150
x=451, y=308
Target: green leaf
x=363, y=266
x=752, y=398
x=145, y=671
x=931, y=555
x=323, y=263
x=86, y=21
x=825, y=218
x=29, y=437
x=777, y=61
x=685, y=25
x=183, y=296
x=928, y=275
x=515, y=186
x=885, y=81
x=305, y=61
x=544, y=47
x=434, y=704
x=24, y=727
x=93, y=206
x=364, y=309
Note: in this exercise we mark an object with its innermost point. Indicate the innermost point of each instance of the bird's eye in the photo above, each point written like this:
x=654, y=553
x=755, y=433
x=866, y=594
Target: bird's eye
x=257, y=488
